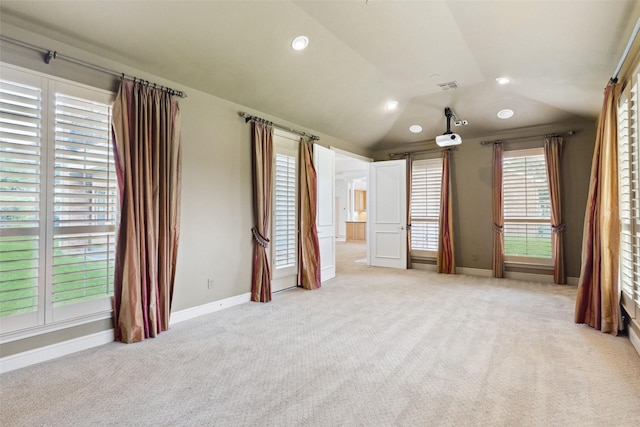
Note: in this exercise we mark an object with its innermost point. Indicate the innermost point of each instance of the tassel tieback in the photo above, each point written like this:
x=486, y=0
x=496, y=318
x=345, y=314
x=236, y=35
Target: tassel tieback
x=259, y=238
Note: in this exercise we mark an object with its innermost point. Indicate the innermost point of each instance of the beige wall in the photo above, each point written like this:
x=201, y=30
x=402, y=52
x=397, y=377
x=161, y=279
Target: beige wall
x=215, y=230
x=216, y=221
x=471, y=186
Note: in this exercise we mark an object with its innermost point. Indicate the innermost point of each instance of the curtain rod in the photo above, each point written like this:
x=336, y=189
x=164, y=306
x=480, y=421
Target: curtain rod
x=51, y=55
x=634, y=33
x=430, y=150
x=248, y=118
x=548, y=135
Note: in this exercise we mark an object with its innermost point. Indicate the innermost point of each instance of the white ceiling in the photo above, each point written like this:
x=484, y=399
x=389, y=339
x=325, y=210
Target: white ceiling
x=558, y=54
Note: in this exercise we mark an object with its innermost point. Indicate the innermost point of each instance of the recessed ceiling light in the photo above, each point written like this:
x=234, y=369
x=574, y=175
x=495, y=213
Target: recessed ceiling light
x=415, y=128
x=502, y=80
x=505, y=114
x=392, y=105
x=300, y=43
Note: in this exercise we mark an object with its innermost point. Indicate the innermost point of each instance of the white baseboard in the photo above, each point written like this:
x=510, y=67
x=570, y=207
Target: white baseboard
x=573, y=281
x=53, y=351
x=190, y=313
x=531, y=277
x=474, y=271
x=64, y=348
x=634, y=338
x=423, y=267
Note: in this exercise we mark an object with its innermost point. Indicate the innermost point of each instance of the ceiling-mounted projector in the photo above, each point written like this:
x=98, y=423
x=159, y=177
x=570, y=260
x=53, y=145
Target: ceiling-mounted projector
x=448, y=138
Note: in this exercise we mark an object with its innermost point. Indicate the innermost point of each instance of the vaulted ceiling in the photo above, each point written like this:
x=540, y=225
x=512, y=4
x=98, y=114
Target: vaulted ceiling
x=558, y=55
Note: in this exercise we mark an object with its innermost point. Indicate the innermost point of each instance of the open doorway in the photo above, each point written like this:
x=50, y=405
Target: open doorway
x=351, y=176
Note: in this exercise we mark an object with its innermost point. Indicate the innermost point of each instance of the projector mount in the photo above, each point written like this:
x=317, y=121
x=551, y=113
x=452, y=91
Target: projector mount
x=448, y=138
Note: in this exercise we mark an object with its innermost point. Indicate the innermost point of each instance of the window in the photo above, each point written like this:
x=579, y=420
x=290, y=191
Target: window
x=629, y=199
x=285, y=211
x=527, y=207
x=426, y=177
x=58, y=195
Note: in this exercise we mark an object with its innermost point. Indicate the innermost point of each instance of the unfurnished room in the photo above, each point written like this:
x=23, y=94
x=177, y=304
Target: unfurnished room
x=320, y=213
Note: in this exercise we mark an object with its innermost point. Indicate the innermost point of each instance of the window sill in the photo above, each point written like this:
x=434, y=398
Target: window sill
x=45, y=329
x=530, y=264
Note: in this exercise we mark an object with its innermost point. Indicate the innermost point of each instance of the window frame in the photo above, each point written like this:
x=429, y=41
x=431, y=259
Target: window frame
x=629, y=200
x=49, y=315
x=519, y=260
x=430, y=163
x=287, y=144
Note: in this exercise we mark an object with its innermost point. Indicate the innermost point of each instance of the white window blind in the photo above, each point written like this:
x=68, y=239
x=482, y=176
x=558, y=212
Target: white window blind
x=21, y=203
x=527, y=208
x=426, y=178
x=629, y=199
x=285, y=228
x=84, y=201
x=58, y=195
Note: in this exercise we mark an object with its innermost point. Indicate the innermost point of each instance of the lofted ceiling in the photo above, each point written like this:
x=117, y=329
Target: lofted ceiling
x=558, y=54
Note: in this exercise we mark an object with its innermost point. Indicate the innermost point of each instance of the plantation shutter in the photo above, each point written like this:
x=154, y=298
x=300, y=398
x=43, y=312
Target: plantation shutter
x=21, y=199
x=426, y=177
x=58, y=201
x=285, y=211
x=629, y=189
x=634, y=134
x=84, y=205
x=527, y=206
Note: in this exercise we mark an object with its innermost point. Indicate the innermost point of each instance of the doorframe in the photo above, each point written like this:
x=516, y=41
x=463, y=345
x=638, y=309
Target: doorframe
x=365, y=174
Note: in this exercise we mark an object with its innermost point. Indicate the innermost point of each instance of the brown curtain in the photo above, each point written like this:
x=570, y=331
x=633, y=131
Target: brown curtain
x=309, y=246
x=445, y=261
x=262, y=158
x=409, y=160
x=146, y=133
x=552, y=153
x=498, y=212
x=597, y=302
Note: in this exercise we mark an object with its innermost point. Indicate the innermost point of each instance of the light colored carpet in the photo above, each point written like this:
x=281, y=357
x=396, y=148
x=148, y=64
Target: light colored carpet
x=387, y=347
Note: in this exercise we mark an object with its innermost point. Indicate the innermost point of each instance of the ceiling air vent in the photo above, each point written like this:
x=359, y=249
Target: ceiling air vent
x=448, y=85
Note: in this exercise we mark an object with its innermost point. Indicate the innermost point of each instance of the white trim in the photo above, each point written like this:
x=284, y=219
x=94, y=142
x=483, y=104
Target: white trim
x=64, y=348
x=423, y=266
x=634, y=338
x=193, y=312
x=350, y=154
x=573, y=281
x=531, y=277
x=45, y=329
x=53, y=351
x=474, y=271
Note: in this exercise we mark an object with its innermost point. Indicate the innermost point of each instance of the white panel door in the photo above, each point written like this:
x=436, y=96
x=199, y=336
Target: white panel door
x=324, y=162
x=387, y=214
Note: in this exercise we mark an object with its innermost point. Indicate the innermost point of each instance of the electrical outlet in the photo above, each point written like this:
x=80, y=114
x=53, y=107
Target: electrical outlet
x=474, y=257
x=209, y=283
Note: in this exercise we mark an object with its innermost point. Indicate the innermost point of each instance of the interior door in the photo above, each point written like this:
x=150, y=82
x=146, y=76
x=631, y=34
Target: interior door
x=324, y=162
x=387, y=214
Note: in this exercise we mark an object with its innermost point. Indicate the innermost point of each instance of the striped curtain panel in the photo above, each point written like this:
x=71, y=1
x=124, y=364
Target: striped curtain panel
x=498, y=212
x=147, y=146
x=552, y=154
x=262, y=157
x=309, y=245
x=597, y=302
x=445, y=260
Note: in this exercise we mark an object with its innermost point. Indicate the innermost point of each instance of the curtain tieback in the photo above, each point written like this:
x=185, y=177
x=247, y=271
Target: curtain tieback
x=262, y=241
x=497, y=228
x=558, y=228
